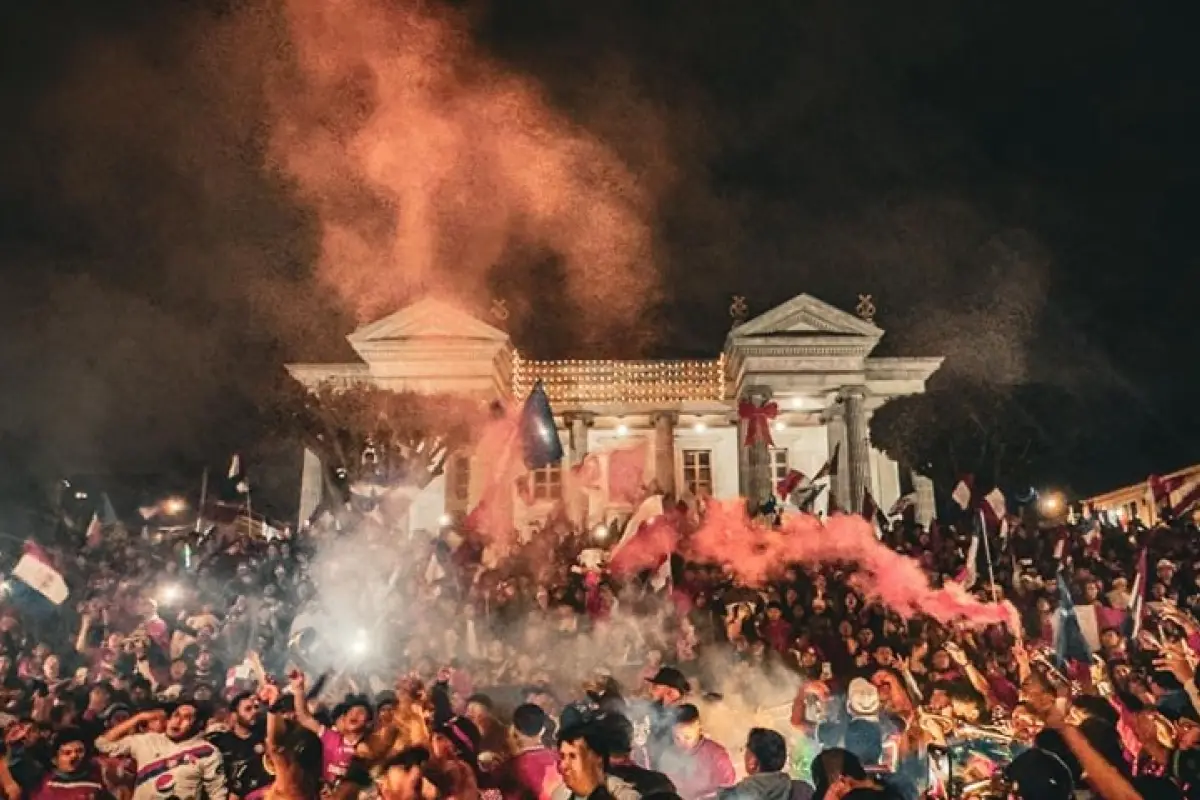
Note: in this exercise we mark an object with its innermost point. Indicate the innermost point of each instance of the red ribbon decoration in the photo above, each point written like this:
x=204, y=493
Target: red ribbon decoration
x=758, y=421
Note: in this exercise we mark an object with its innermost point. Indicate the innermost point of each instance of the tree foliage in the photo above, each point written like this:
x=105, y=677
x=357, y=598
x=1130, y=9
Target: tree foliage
x=369, y=434
x=1003, y=435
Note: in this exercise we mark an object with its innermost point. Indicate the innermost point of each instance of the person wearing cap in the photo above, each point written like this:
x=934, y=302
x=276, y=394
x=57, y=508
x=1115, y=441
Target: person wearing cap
x=668, y=688
x=454, y=759
x=697, y=765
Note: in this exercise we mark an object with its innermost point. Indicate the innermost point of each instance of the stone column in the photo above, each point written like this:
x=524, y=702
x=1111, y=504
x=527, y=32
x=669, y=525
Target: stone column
x=664, y=451
x=577, y=499
x=579, y=424
x=857, y=445
x=312, y=484
x=757, y=481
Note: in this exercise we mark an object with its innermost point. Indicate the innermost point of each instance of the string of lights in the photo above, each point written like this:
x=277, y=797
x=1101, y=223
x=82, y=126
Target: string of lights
x=610, y=381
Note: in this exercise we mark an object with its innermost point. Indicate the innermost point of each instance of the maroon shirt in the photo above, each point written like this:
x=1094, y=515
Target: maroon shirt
x=82, y=786
x=532, y=773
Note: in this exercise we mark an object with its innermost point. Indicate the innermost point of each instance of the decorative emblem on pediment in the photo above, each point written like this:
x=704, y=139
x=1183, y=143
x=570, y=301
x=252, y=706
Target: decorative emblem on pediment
x=739, y=309
x=427, y=319
x=500, y=309
x=866, y=308
x=805, y=314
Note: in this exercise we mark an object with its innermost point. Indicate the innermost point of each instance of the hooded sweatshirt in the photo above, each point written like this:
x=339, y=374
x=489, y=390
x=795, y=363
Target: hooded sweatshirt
x=763, y=786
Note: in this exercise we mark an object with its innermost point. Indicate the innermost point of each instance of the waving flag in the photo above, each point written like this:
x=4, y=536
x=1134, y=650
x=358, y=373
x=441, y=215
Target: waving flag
x=649, y=539
x=540, y=444
x=36, y=571
x=1138, y=603
x=963, y=492
x=1069, y=641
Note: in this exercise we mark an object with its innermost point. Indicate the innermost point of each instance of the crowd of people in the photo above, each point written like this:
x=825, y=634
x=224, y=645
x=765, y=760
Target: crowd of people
x=346, y=660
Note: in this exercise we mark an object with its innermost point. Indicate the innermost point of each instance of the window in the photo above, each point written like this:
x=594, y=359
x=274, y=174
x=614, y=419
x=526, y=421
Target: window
x=779, y=464
x=460, y=478
x=697, y=472
x=547, y=482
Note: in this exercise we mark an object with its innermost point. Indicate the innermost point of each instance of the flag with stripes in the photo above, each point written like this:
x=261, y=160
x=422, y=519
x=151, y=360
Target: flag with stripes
x=36, y=571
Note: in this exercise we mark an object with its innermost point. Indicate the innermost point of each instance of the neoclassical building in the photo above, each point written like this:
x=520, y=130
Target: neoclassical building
x=809, y=359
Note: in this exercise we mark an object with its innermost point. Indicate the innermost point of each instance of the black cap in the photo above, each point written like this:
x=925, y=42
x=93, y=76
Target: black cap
x=669, y=676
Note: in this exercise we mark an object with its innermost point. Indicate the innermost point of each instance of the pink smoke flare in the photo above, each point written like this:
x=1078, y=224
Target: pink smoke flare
x=755, y=552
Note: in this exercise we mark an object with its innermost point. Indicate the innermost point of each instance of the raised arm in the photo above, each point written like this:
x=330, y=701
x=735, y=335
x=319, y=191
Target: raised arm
x=303, y=715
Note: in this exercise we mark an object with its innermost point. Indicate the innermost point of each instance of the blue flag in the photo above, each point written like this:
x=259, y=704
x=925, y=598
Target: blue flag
x=539, y=437
x=1069, y=644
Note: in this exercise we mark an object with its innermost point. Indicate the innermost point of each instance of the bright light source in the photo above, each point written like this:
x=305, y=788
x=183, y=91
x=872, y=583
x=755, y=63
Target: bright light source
x=174, y=505
x=1051, y=503
x=600, y=533
x=444, y=520
x=780, y=425
x=622, y=429
x=81, y=495
x=798, y=403
x=170, y=593
x=361, y=643
x=699, y=427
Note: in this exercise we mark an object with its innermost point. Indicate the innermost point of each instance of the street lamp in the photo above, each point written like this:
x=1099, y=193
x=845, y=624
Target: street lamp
x=174, y=505
x=1051, y=503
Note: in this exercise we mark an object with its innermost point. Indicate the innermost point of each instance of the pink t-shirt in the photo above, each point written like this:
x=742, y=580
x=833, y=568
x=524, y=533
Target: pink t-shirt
x=336, y=753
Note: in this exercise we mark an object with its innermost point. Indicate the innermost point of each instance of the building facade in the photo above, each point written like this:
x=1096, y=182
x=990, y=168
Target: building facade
x=804, y=367
x=1137, y=500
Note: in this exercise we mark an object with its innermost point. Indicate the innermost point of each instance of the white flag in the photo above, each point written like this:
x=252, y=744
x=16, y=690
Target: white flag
x=962, y=495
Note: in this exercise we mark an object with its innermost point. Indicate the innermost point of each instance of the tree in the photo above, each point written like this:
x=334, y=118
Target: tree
x=1003, y=435
x=367, y=436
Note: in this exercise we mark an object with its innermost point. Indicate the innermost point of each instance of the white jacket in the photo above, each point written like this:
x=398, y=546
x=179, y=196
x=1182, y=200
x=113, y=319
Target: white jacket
x=166, y=768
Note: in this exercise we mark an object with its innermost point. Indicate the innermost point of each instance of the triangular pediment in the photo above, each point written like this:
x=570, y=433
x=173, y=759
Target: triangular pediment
x=805, y=315
x=426, y=319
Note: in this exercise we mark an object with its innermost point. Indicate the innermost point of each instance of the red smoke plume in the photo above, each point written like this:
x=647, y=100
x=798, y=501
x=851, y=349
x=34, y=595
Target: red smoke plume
x=428, y=164
x=754, y=551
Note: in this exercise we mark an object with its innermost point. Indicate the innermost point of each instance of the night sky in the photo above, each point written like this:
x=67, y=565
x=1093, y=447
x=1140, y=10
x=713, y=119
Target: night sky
x=1013, y=182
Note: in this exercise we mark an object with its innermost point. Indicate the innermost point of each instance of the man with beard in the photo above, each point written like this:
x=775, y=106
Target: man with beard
x=242, y=748
x=173, y=764
x=668, y=687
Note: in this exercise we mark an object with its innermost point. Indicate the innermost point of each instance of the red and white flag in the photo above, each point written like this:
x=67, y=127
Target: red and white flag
x=648, y=539
x=36, y=570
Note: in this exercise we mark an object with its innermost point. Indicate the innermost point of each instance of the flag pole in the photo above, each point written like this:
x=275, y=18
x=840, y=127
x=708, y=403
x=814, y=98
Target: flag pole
x=987, y=554
x=203, y=500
